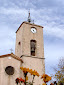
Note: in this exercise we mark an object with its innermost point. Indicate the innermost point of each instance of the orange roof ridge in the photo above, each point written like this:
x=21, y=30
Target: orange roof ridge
x=12, y=55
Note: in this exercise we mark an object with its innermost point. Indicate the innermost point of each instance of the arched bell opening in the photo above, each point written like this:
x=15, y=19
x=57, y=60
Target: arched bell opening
x=33, y=47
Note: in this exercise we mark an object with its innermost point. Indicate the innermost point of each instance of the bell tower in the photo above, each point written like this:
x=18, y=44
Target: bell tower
x=30, y=48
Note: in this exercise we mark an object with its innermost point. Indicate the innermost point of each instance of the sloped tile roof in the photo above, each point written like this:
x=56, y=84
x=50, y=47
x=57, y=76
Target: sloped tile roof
x=12, y=55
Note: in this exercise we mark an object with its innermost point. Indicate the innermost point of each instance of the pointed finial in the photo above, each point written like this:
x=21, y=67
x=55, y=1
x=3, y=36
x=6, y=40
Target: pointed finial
x=11, y=50
x=33, y=21
x=29, y=18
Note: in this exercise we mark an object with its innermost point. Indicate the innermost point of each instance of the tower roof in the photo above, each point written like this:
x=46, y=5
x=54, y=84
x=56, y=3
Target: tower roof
x=29, y=24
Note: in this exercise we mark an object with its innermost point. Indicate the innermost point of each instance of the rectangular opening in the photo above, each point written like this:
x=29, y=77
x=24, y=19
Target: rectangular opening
x=33, y=53
x=32, y=47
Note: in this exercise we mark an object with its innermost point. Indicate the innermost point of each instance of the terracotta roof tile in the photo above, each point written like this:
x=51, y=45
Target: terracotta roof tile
x=12, y=55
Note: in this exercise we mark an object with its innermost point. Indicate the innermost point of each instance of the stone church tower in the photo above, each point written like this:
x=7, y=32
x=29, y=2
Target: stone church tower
x=29, y=52
x=29, y=47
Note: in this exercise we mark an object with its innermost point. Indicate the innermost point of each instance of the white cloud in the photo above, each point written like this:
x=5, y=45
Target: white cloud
x=52, y=27
x=9, y=11
x=57, y=32
x=7, y=39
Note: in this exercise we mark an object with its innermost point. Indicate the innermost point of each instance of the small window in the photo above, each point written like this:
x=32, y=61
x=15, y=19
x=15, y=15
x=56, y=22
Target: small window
x=33, y=47
x=19, y=43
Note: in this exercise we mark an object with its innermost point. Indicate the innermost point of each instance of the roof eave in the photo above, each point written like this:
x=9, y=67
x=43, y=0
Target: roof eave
x=29, y=24
x=13, y=55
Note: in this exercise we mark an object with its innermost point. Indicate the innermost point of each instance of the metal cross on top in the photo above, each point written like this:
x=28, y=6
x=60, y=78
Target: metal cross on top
x=11, y=50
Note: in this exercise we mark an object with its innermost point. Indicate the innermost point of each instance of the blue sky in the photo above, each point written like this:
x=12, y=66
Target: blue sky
x=47, y=13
